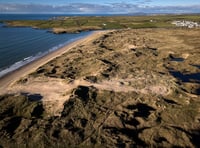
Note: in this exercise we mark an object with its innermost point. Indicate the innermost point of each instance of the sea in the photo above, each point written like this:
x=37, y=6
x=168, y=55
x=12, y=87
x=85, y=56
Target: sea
x=22, y=45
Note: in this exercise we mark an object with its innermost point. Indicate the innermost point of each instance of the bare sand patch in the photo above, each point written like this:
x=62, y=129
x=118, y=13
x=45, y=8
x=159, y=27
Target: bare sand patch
x=56, y=92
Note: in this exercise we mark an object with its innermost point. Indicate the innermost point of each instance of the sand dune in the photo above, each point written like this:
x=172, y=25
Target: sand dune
x=119, y=88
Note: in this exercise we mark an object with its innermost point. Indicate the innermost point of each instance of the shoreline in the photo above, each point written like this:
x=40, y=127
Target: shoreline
x=107, y=86
x=11, y=77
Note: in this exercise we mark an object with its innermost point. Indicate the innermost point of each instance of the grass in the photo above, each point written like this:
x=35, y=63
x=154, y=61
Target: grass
x=109, y=22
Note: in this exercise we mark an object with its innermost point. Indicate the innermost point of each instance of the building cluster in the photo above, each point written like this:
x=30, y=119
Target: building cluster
x=188, y=24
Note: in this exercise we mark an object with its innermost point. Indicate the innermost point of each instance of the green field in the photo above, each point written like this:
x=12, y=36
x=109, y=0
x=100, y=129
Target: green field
x=77, y=24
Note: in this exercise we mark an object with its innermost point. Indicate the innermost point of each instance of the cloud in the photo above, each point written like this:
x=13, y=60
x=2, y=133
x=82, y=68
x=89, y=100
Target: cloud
x=83, y=8
x=37, y=8
x=173, y=9
x=144, y=2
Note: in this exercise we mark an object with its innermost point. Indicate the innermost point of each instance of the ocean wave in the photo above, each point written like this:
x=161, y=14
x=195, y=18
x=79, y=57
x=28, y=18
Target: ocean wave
x=17, y=65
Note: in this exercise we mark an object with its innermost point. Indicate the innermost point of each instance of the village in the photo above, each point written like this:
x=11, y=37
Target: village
x=188, y=24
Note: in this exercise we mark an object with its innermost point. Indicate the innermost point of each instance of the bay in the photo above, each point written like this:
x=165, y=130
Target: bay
x=19, y=45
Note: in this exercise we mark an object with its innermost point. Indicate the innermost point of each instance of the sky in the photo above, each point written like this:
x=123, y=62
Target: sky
x=99, y=6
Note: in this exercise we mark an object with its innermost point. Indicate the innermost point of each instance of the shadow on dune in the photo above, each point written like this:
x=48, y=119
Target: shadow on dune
x=33, y=97
x=193, y=77
x=194, y=135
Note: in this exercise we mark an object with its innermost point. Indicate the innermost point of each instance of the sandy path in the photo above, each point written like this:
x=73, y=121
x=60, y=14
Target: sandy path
x=10, y=78
x=55, y=92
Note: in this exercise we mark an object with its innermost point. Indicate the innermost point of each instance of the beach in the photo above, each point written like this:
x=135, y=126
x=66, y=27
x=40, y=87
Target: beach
x=13, y=76
x=114, y=88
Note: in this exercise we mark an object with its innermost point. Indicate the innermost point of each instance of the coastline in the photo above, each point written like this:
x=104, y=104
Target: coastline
x=117, y=88
x=11, y=77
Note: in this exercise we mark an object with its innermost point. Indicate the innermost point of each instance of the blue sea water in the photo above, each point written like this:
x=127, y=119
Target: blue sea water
x=4, y=17
x=28, y=16
x=20, y=46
